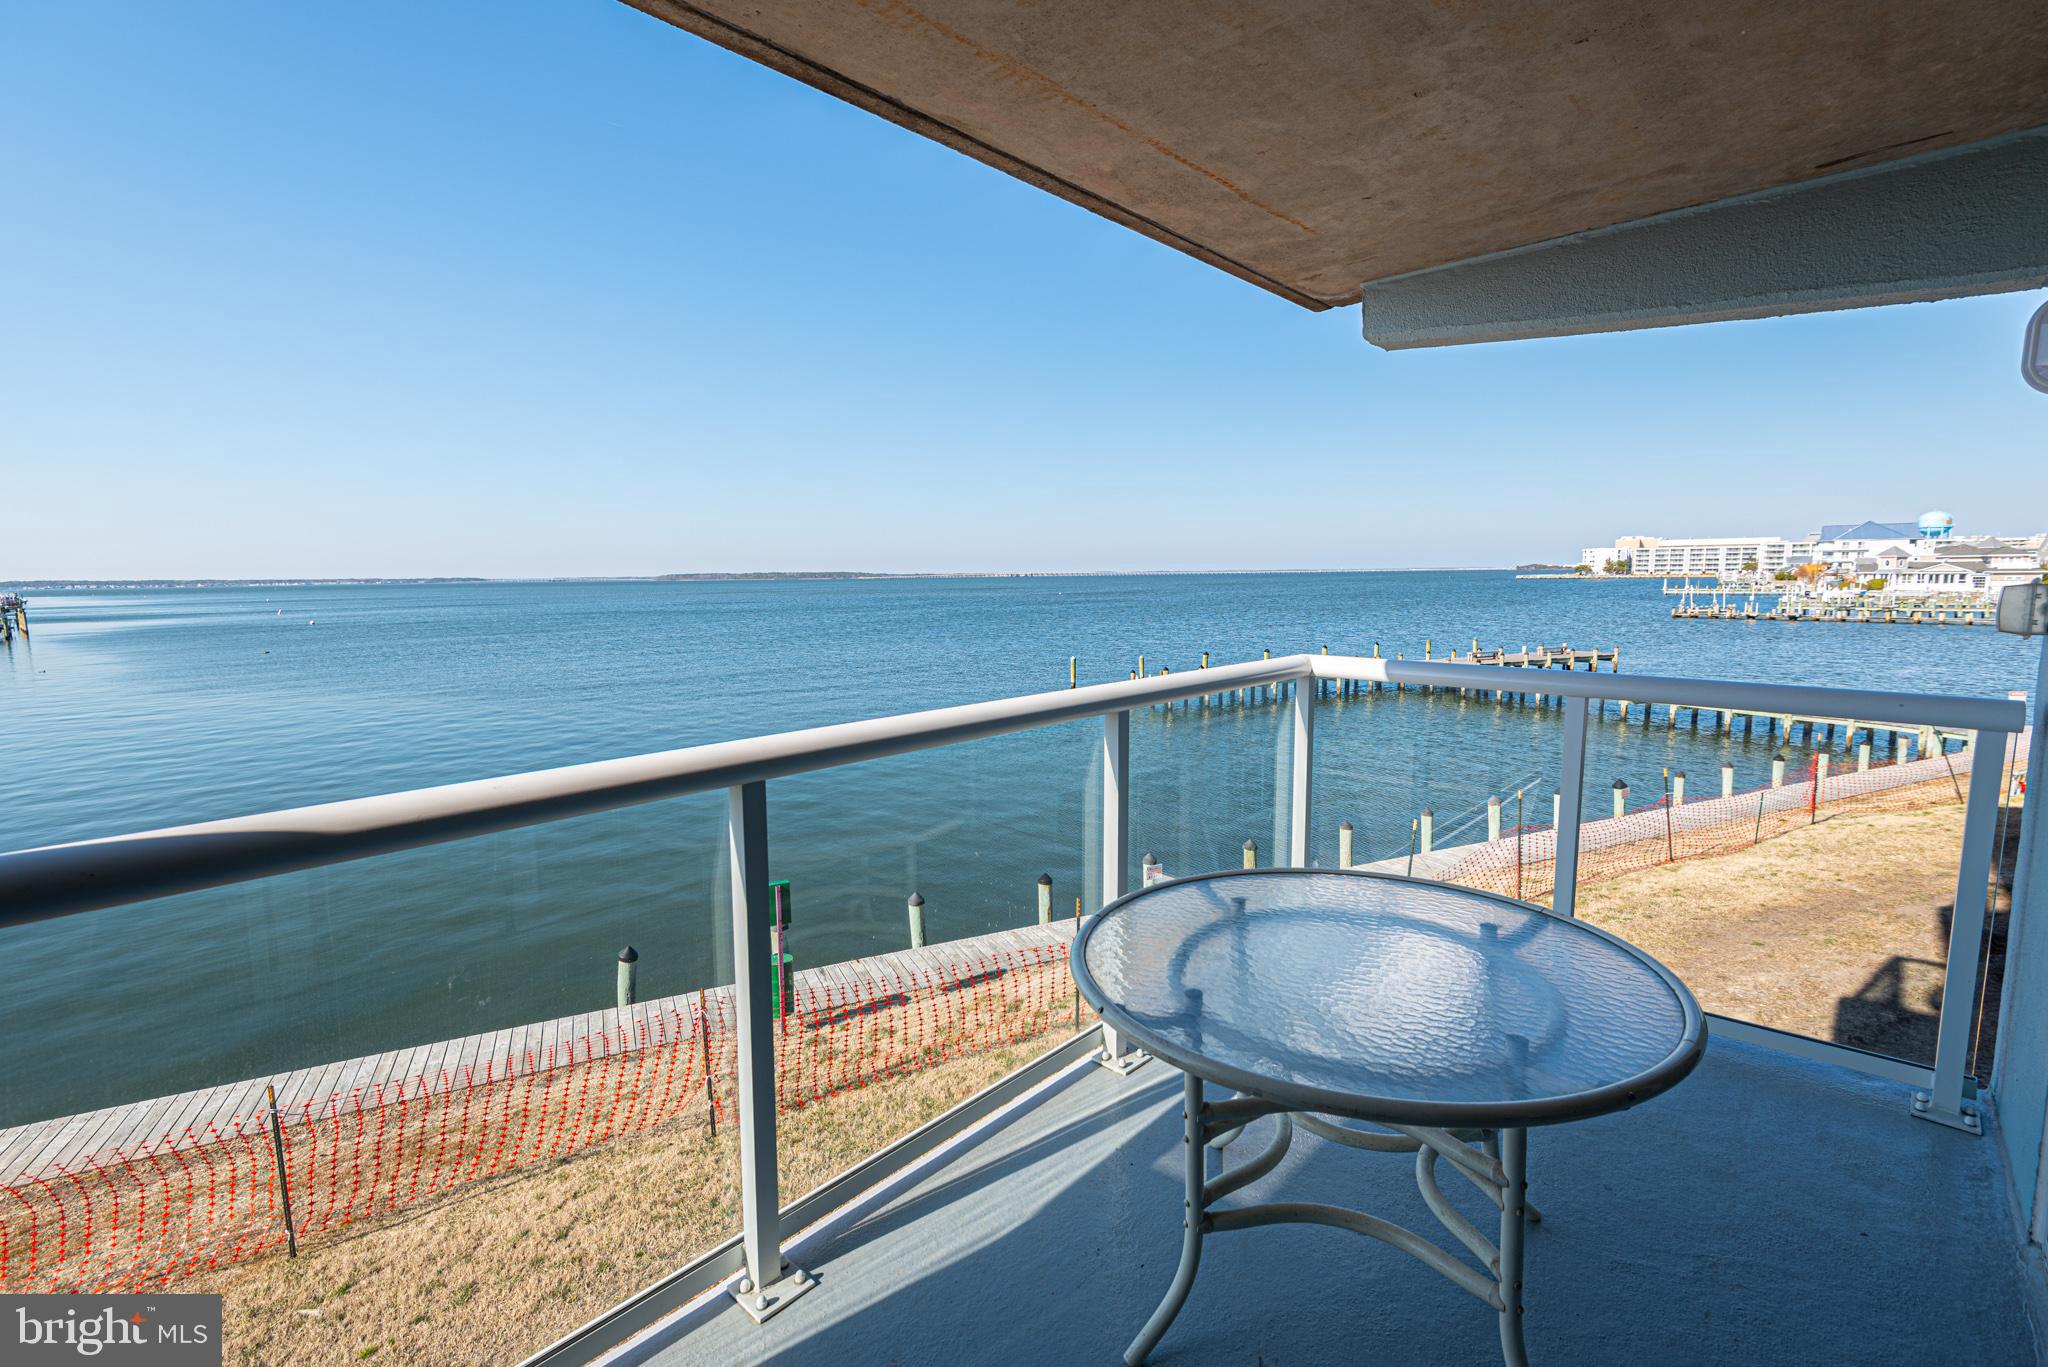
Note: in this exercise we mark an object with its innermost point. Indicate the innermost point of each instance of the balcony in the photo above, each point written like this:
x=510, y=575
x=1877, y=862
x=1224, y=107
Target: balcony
x=1848, y=1179
x=1771, y=1209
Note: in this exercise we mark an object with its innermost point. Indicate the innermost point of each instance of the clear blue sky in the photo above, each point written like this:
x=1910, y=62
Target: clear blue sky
x=550, y=288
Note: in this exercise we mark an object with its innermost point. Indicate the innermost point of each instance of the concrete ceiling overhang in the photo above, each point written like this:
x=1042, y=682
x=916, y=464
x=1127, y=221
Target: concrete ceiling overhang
x=1314, y=147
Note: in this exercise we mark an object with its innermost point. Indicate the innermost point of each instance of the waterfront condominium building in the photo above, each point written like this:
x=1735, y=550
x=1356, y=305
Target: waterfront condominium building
x=1697, y=555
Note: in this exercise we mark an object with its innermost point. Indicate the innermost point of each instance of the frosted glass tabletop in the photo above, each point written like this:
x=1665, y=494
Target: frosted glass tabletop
x=1390, y=999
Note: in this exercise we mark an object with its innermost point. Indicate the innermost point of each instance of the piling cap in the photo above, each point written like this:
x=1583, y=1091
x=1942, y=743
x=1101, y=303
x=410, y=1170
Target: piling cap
x=1429, y=811
x=1251, y=844
x=1150, y=860
x=917, y=899
x=629, y=955
x=1343, y=825
x=1045, y=880
x=1621, y=783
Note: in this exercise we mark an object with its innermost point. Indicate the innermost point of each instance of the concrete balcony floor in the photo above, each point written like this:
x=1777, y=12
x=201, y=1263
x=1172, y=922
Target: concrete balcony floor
x=1769, y=1210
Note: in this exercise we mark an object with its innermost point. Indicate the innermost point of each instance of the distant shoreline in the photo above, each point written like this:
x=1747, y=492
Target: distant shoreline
x=61, y=585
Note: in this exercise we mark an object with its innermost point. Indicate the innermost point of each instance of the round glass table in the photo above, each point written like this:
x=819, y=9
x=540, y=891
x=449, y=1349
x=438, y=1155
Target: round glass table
x=1449, y=1021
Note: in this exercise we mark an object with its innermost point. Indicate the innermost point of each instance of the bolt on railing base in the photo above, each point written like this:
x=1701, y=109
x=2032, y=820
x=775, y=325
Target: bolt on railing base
x=1124, y=1064
x=1964, y=1118
x=762, y=1303
x=1119, y=1055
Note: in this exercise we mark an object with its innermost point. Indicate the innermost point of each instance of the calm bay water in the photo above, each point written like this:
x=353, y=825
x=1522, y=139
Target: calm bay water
x=130, y=710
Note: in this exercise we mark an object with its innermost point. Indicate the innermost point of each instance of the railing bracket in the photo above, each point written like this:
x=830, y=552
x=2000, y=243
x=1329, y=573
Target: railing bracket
x=1124, y=1064
x=763, y=1302
x=1963, y=1118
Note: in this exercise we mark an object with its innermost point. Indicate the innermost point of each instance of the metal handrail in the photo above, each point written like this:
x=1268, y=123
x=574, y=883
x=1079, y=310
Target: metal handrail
x=88, y=875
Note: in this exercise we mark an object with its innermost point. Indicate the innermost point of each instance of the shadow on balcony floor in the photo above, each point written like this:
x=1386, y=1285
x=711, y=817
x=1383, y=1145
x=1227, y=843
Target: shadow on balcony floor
x=1767, y=1211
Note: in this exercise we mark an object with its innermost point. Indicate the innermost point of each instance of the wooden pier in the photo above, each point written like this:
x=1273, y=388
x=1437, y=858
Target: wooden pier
x=1851, y=735
x=1712, y=605
x=1527, y=657
x=13, y=618
x=1789, y=728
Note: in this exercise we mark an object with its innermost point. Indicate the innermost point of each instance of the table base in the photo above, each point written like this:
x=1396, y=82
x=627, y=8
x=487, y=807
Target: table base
x=1494, y=1161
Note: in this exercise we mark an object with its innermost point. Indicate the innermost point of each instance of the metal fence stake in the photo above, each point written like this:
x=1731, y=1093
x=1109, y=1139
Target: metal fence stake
x=284, y=1189
x=704, y=1041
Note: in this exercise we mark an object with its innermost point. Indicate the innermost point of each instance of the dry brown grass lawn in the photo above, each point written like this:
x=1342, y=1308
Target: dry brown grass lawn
x=1837, y=931
x=504, y=1267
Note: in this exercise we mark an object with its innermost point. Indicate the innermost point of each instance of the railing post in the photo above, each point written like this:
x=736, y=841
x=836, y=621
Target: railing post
x=1116, y=858
x=1116, y=805
x=765, y=1286
x=1965, y=951
x=1302, y=776
x=1571, y=789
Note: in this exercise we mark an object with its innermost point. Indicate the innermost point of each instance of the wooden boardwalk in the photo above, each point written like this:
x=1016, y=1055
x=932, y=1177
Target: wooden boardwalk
x=43, y=1147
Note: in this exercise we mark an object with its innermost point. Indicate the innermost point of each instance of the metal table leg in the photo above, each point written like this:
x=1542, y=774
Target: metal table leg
x=1497, y=1162
x=1514, y=1161
x=1193, y=1149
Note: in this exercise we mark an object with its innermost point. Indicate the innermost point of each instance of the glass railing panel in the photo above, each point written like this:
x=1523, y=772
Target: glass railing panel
x=474, y=1148
x=1210, y=778
x=931, y=903
x=1797, y=873
x=1440, y=782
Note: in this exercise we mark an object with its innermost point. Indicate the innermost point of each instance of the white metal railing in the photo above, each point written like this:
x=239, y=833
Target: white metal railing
x=60, y=880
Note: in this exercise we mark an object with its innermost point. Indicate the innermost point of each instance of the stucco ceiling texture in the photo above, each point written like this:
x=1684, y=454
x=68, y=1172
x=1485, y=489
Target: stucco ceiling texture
x=1312, y=146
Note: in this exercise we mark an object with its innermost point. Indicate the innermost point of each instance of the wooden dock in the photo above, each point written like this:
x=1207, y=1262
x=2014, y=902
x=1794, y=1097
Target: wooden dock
x=13, y=618
x=1526, y=657
x=1791, y=728
x=1719, y=605
x=1897, y=616
x=1851, y=735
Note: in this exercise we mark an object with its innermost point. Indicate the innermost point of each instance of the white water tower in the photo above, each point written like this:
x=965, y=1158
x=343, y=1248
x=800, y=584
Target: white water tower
x=1936, y=525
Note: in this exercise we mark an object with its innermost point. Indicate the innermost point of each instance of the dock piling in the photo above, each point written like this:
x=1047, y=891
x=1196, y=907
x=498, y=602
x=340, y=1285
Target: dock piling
x=917, y=920
x=629, y=976
x=1251, y=854
x=1344, y=835
x=1620, y=796
x=1426, y=825
x=1045, y=899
